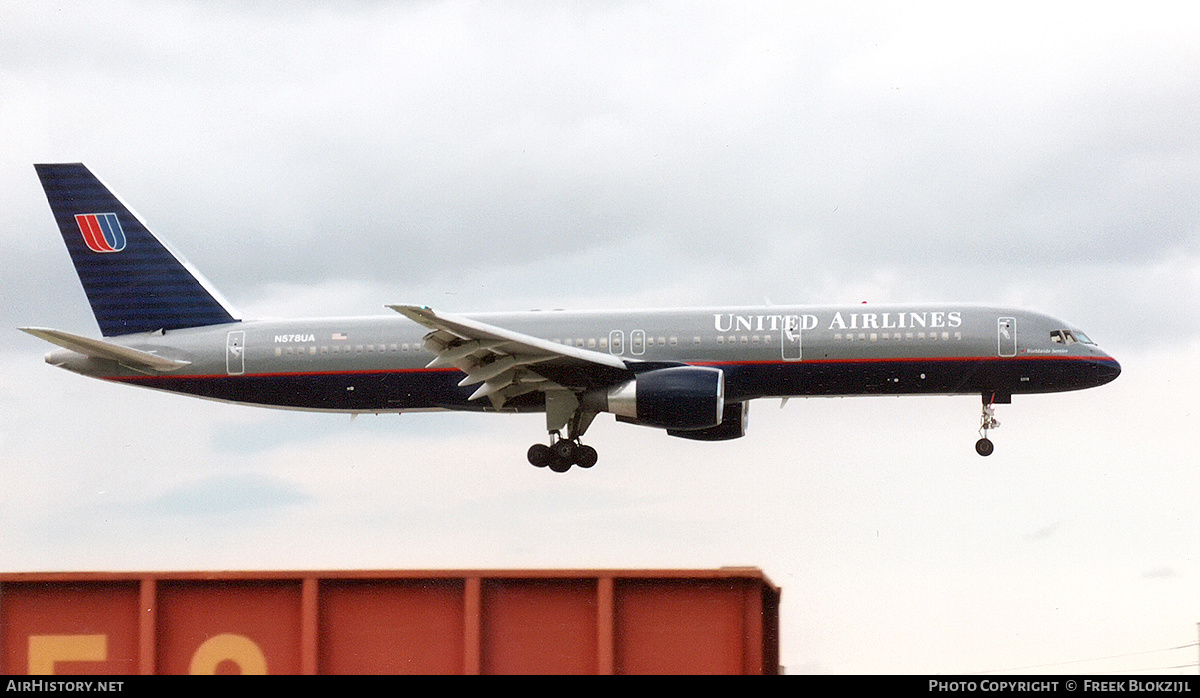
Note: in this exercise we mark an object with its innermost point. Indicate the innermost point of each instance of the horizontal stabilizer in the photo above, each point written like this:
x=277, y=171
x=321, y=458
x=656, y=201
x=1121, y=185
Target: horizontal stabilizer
x=99, y=349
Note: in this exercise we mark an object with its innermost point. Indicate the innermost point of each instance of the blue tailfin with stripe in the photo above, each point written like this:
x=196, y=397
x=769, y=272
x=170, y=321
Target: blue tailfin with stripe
x=133, y=281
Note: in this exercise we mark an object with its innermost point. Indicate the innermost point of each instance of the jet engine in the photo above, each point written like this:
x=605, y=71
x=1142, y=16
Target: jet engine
x=676, y=398
x=732, y=427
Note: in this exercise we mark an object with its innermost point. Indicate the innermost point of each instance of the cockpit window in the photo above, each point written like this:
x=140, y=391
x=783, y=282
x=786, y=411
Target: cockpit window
x=1069, y=337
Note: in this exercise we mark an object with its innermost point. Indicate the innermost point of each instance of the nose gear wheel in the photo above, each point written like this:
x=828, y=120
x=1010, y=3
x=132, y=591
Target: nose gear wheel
x=987, y=420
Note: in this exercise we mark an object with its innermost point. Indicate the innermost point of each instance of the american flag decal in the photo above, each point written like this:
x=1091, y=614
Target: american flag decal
x=101, y=231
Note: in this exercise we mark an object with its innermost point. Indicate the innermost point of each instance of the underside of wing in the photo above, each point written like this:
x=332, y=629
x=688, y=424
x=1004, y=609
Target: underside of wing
x=504, y=363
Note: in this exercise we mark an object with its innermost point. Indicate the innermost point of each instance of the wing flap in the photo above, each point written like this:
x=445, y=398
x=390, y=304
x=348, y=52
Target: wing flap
x=468, y=329
x=504, y=361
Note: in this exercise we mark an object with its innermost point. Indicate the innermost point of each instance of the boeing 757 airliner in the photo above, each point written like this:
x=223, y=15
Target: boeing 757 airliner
x=691, y=372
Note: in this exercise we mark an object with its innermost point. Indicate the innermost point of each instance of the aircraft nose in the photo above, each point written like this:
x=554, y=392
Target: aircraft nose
x=1107, y=369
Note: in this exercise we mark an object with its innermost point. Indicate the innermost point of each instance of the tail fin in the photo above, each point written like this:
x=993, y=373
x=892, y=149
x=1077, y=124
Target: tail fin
x=134, y=282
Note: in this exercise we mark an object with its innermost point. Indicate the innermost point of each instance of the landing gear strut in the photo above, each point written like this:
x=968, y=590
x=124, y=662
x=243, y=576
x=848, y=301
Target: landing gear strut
x=987, y=420
x=563, y=410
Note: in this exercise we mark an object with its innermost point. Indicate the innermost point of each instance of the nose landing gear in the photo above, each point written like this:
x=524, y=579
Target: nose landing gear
x=987, y=420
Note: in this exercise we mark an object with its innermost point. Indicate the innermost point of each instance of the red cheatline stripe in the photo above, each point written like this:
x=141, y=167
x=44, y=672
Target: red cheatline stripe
x=815, y=362
x=906, y=359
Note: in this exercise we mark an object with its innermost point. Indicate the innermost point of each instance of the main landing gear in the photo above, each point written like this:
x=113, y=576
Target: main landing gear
x=987, y=420
x=561, y=454
x=563, y=410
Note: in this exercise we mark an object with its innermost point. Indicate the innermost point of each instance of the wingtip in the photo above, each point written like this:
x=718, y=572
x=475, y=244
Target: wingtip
x=418, y=313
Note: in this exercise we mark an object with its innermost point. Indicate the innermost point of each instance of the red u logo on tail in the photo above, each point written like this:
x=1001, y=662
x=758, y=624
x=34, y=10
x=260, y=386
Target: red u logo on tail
x=101, y=231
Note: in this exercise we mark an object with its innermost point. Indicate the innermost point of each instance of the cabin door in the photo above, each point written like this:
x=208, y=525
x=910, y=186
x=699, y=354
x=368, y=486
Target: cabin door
x=1006, y=336
x=235, y=353
x=789, y=338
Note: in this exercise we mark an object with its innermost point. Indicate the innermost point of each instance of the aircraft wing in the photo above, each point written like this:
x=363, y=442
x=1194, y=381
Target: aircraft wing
x=509, y=363
x=136, y=359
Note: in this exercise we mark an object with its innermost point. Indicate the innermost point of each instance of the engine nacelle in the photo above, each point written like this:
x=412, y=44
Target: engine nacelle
x=737, y=415
x=676, y=398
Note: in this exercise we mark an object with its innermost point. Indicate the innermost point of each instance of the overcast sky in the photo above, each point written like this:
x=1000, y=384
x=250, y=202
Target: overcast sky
x=331, y=159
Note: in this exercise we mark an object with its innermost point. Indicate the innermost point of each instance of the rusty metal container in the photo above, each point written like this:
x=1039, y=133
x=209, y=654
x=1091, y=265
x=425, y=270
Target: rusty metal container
x=723, y=621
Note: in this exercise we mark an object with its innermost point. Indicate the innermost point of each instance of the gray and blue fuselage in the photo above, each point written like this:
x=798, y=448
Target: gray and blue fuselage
x=379, y=364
